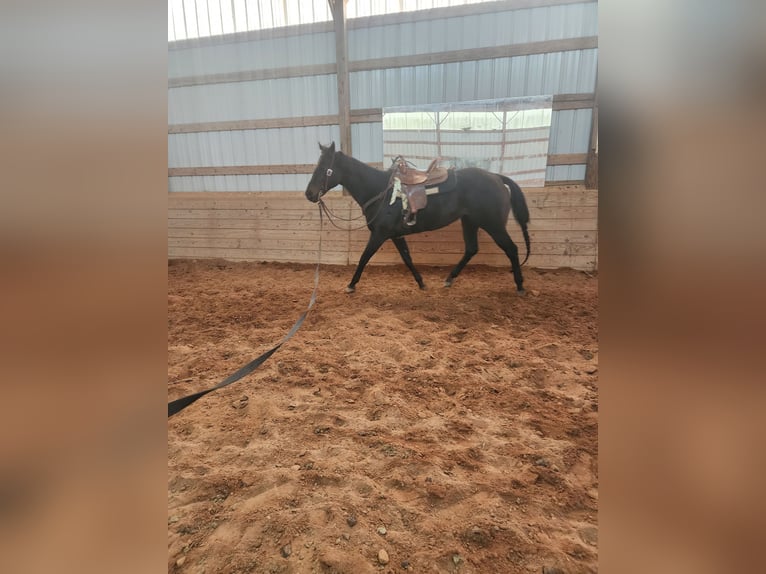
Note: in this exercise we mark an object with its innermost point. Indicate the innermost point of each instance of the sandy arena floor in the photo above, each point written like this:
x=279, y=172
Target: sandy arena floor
x=453, y=429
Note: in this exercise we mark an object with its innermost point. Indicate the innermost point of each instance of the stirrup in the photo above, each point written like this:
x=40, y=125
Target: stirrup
x=410, y=219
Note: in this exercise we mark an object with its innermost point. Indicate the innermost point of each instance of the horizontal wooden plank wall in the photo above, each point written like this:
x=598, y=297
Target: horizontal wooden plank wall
x=284, y=226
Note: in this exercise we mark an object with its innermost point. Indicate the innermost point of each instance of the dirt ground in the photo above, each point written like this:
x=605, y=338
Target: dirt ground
x=453, y=429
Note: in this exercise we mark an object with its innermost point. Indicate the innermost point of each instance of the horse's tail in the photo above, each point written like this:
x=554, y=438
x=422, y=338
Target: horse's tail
x=519, y=208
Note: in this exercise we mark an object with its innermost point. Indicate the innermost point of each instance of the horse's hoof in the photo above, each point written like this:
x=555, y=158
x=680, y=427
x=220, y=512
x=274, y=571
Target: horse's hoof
x=448, y=283
x=350, y=289
x=522, y=292
x=422, y=287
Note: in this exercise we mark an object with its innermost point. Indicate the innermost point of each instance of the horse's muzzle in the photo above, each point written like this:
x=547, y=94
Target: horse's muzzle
x=313, y=194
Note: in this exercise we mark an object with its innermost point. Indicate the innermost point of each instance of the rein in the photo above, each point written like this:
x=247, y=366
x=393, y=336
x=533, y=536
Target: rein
x=180, y=404
x=368, y=203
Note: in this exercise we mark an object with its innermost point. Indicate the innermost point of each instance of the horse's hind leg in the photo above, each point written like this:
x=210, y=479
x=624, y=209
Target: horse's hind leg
x=404, y=251
x=505, y=243
x=471, y=240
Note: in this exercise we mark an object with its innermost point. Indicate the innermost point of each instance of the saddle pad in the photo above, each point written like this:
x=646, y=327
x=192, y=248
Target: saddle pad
x=444, y=186
x=400, y=191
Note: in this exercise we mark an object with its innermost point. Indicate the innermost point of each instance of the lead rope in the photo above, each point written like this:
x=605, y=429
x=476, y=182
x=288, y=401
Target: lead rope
x=180, y=404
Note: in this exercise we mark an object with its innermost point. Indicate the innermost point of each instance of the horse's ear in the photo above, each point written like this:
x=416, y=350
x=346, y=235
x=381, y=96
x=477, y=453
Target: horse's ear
x=321, y=147
x=332, y=147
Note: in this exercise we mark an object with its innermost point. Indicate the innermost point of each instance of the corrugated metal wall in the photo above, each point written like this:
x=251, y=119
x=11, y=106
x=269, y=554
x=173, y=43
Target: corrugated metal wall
x=568, y=72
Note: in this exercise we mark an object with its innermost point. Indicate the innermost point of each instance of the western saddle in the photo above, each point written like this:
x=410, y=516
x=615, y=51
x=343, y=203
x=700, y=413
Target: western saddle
x=414, y=183
x=411, y=176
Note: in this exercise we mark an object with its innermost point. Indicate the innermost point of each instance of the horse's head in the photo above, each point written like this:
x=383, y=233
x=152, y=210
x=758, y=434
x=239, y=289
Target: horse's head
x=325, y=176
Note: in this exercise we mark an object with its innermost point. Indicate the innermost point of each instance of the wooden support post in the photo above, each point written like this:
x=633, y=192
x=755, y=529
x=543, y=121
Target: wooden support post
x=338, y=8
x=438, y=121
x=591, y=168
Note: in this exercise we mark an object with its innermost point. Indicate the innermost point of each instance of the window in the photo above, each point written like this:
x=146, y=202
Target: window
x=202, y=18
x=508, y=136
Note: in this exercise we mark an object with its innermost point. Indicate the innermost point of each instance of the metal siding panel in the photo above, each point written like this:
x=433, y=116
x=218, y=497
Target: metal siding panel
x=356, y=46
x=579, y=19
x=550, y=174
x=391, y=88
x=376, y=142
x=564, y=132
x=552, y=75
x=565, y=173
x=172, y=151
x=560, y=173
x=215, y=143
x=195, y=156
x=357, y=89
x=493, y=78
x=260, y=99
x=204, y=151
x=370, y=39
x=248, y=147
x=419, y=85
x=485, y=79
x=518, y=85
x=471, y=31
x=538, y=27
x=581, y=131
x=454, y=32
x=586, y=79
x=378, y=87
x=207, y=184
x=392, y=42
x=568, y=79
x=436, y=83
x=405, y=39
x=228, y=146
x=467, y=83
x=561, y=131
x=407, y=85
x=237, y=148
x=256, y=54
x=182, y=150
x=534, y=79
x=482, y=30
x=359, y=138
x=451, y=82
x=521, y=23
x=423, y=33
x=361, y=90
x=274, y=145
x=558, y=23
x=440, y=38
x=287, y=182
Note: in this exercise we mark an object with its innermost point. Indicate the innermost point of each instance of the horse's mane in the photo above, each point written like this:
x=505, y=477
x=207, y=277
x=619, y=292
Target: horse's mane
x=358, y=163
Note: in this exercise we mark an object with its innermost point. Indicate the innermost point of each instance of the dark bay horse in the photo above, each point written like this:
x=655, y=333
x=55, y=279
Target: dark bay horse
x=480, y=200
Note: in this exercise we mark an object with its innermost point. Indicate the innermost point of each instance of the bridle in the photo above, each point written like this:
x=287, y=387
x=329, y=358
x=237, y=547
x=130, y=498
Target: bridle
x=327, y=175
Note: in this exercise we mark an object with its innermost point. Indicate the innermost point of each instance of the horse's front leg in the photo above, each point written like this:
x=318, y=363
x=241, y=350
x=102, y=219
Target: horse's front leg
x=404, y=251
x=373, y=244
